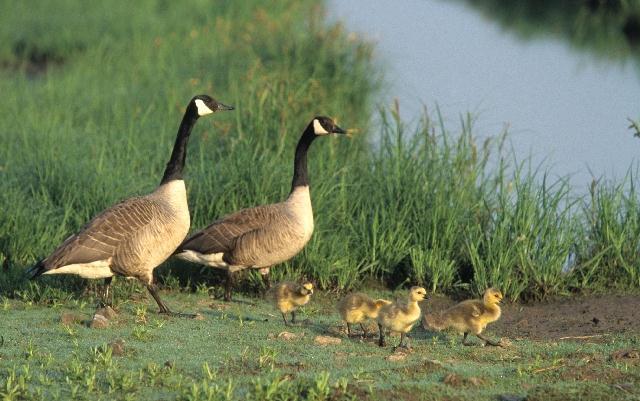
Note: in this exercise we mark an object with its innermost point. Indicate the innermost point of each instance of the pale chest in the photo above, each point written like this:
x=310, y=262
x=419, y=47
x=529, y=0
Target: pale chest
x=301, y=212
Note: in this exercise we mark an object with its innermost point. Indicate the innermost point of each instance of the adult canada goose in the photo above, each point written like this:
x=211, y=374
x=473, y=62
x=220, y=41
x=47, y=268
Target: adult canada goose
x=133, y=237
x=262, y=236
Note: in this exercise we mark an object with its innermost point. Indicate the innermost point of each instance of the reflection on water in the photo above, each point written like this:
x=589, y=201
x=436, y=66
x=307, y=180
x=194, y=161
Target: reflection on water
x=610, y=29
x=565, y=92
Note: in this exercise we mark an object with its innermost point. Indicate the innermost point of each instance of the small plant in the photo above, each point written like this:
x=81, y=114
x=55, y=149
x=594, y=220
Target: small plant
x=267, y=358
x=141, y=314
x=102, y=356
x=141, y=333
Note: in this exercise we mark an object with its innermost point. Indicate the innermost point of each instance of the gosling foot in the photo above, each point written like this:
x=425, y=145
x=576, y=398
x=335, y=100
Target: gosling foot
x=488, y=341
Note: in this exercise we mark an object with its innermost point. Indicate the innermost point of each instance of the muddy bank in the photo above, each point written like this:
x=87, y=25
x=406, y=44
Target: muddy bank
x=592, y=317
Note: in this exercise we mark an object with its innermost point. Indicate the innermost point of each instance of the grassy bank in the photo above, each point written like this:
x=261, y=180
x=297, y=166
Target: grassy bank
x=91, y=106
x=239, y=352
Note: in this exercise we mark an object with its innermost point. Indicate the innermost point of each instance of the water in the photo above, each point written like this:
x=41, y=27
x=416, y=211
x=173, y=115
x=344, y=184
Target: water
x=564, y=105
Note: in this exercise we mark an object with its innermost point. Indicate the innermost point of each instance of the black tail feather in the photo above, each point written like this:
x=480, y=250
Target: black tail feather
x=36, y=270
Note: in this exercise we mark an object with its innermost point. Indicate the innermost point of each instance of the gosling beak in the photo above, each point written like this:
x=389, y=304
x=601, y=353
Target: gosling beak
x=338, y=130
x=224, y=107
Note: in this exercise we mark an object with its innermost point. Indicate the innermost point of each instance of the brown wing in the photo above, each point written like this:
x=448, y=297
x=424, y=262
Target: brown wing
x=101, y=237
x=222, y=234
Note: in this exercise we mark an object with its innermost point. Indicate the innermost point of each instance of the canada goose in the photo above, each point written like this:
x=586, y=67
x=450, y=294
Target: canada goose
x=400, y=317
x=287, y=296
x=471, y=316
x=136, y=235
x=357, y=307
x=262, y=236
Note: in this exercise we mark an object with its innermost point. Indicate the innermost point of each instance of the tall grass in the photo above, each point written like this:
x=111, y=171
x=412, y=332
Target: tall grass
x=91, y=110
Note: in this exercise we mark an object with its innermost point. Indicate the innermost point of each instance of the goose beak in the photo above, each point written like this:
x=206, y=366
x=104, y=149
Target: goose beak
x=224, y=107
x=338, y=130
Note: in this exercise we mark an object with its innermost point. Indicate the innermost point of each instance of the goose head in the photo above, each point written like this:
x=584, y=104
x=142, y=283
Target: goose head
x=492, y=296
x=204, y=104
x=306, y=289
x=417, y=294
x=324, y=126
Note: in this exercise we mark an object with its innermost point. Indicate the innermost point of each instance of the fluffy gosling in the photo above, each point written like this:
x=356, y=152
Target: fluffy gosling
x=400, y=317
x=357, y=307
x=471, y=316
x=287, y=296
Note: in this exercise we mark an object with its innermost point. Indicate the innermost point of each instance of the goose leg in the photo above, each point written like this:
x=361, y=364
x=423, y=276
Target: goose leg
x=163, y=308
x=364, y=331
x=381, y=341
x=107, y=294
x=228, y=286
x=266, y=280
x=103, y=293
x=488, y=341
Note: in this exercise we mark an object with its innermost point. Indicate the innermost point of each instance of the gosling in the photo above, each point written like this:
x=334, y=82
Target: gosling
x=470, y=316
x=400, y=317
x=357, y=307
x=287, y=297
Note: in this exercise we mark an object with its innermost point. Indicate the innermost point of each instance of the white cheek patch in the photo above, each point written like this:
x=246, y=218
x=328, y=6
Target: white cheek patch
x=318, y=128
x=203, y=110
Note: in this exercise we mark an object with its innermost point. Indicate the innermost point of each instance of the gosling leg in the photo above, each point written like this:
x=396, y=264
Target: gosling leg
x=488, y=341
x=381, y=341
x=284, y=317
x=403, y=339
x=465, y=340
x=293, y=317
x=348, y=329
x=364, y=331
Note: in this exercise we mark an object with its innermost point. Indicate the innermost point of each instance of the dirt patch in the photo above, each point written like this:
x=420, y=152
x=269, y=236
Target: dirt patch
x=589, y=318
x=117, y=347
x=594, y=372
x=326, y=340
x=626, y=354
x=454, y=380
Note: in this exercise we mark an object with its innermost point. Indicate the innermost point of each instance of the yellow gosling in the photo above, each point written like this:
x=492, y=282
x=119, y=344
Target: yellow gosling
x=400, y=317
x=471, y=316
x=357, y=307
x=287, y=297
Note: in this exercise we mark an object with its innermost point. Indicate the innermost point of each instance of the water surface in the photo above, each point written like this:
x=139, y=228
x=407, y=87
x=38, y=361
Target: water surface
x=562, y=103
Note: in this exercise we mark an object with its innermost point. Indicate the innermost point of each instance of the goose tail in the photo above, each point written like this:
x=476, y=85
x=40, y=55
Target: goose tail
x=36, y=270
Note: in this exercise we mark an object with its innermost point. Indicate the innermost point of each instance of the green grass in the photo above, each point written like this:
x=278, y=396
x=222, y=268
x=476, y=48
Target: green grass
x=235, y=353
x=91, y=106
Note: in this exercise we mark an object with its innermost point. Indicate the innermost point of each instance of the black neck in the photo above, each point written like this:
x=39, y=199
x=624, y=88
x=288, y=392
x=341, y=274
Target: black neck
x=300, y=174
x=179, y=154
